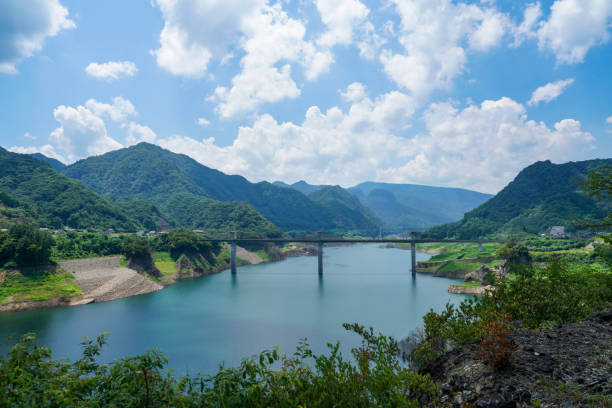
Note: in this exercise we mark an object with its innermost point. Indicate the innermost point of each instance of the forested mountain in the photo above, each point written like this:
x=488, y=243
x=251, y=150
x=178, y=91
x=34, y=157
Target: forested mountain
x=348, y=212
x=542, y=195
x=407, y=207
x=55, y=164
x=31, y=189
x=148, y=172
x=301, y=186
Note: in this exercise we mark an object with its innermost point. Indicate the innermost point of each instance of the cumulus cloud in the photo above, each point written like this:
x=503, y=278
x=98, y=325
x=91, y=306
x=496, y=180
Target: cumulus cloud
x=203, y=122
x=575, y=26
x=271, y=40
x=435, y=36
x=354, y=92
x=549, y=91
x=609, y=120
x=111, y=70
x=139, y=133
x=81, y=133
x=47, y=150
x=118, y=111
x=480, y=146
x=195, y=30
x=25, y=28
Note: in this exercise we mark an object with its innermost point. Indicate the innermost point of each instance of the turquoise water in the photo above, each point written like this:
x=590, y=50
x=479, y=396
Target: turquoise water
x=200, y=323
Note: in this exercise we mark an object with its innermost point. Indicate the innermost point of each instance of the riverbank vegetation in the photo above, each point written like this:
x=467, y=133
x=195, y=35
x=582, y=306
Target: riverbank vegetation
x=372, y=377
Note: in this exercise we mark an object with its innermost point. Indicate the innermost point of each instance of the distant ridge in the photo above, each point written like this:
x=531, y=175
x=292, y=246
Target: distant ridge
x=55, y=164
x=406, y=207
x=542, y=195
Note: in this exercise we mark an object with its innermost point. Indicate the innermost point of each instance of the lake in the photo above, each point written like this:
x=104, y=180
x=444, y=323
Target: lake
x=200, y=323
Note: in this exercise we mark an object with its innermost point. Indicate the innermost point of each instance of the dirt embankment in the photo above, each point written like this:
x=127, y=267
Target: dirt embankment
x=103, y=279
x=570, y=366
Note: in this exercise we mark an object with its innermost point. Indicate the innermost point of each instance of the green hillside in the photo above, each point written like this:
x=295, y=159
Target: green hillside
x=542, y=195
x=55, y=164
x=349, y=213
x=151, y=173
x=32, y=189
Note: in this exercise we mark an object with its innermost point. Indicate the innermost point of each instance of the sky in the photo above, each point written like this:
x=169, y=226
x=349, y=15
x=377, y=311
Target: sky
x=435, y=92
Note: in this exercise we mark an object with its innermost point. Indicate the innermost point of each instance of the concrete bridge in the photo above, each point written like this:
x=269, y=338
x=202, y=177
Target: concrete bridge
x=320, y=241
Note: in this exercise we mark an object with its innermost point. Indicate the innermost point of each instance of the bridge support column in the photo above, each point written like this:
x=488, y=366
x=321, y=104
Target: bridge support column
x=480, y=247
x=233, y=253
x=413, y=257
x=320, y=252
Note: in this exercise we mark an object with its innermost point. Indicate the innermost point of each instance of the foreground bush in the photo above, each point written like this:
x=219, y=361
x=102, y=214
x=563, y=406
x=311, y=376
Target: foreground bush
x=374, y=377
x=540, y=297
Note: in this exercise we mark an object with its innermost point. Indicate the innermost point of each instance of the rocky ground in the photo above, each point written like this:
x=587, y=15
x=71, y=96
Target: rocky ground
x=570, y=366
x=103, y=279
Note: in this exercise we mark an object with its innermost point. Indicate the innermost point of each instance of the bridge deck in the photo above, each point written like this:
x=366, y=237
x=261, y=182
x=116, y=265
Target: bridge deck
x=351, y=241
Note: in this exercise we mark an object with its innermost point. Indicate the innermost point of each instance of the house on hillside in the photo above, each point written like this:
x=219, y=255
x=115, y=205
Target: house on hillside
x=557, y=231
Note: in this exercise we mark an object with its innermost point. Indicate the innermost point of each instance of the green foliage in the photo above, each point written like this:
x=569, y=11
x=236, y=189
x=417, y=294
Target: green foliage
x=553, y=293
x=541, y=195
x=374, y=377
x=37, y=285
x=54, y=200
x=136, y=247
x=75, y=245
x=514, y=252
x=146, y=214
x=25, y=245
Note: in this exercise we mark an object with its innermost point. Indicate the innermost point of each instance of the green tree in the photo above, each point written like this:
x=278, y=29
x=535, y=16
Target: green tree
x=26, y=245
x=514, y=252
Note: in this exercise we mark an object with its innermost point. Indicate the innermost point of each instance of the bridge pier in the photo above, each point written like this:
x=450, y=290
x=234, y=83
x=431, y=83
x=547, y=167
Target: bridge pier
x=233, y=253
x=320, y=252
x=413, y=256
x=480, y=247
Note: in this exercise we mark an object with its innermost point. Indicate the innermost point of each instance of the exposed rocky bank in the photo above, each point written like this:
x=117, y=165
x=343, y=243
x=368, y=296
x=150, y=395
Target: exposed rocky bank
x=570, y=366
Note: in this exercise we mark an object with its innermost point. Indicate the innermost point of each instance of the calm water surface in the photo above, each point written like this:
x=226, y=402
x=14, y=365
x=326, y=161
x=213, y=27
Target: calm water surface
x=200, y=323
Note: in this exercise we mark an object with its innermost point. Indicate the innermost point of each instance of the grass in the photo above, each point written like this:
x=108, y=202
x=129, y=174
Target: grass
x=470, y=284
x=37, y=286
x=459, y=268
x=463, y=251
x=262, y=254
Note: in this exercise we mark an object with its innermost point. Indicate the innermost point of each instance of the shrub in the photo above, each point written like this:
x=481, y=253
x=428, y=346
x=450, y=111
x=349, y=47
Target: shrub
x=495, y=345
x=374, y=377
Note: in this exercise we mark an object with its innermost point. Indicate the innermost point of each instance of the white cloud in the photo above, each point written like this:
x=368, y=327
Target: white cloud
x=81, y=133
x=139, y=133
x=47, y=150
x=27, y=135
x=196, y=30
x=118, y=111
x=203, y=122
x=549, y=91
x=25, y=28
x=435, y=35
x=111, y=70
x=480, y=147
x=527, y=28
x=575, y=26
x=609, y=119
x=354, y=92
x=347, y=23
x=271, y=41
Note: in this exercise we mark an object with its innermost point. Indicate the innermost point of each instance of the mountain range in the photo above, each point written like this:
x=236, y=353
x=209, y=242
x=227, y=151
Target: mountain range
x=147, y=187
x=541, y=196
x=406, y=207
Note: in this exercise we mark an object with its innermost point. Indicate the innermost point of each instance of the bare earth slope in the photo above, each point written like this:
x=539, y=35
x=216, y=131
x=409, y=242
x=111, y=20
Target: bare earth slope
x=103, y=279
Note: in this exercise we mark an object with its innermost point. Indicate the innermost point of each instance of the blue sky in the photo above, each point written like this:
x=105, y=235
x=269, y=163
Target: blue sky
x=434, y=92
